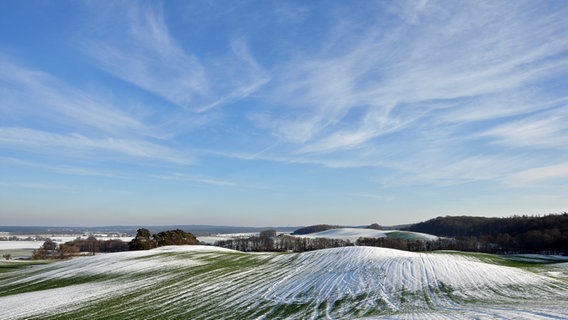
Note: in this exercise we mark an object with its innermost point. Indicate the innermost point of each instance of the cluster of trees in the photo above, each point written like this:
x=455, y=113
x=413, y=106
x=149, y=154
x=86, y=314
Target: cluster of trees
x=145, y=241
x=29, y=238
x=517, y=234
x=90, y=245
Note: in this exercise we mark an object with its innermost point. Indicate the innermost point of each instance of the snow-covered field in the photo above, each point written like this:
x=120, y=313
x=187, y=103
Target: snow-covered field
x=203, y=282
x=20, y=245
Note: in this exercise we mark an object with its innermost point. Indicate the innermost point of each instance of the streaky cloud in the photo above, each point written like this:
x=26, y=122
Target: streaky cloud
x=550, y=175
x=147, y=56
x=74, y=143
x=34, y=93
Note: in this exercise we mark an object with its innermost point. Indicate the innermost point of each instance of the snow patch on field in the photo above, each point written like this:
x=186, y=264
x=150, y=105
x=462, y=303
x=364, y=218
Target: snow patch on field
x=12, y=245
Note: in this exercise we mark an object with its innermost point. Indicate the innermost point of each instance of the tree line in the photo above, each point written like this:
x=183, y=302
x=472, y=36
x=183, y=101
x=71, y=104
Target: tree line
x=144, y=240
x=90, y=246
x=516, y=234
x=281, y=243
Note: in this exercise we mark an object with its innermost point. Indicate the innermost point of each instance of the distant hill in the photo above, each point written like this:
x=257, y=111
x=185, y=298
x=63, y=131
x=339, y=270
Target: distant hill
x=353, y=234
x=314, y=229
x=515, y=234
x=325, y=227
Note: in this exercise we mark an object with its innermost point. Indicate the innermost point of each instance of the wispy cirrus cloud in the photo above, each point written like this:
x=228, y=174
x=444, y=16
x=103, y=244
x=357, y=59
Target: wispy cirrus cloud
x=74, y=144
x=63, y=169
x=183, y=177
x=38, y=185
x=451, y=63
x=543, y=174
x=546, y=130
x=146, y=54
x=245, y=76
x=31, y=94
x=447, y=73
x=40, y=109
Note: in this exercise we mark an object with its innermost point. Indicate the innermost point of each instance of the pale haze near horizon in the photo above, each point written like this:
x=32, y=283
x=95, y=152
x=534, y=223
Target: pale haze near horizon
x=281, y=113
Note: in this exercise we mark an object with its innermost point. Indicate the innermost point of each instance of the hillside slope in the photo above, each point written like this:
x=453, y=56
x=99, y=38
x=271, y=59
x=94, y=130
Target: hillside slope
x=521, y=234
x=201, y=282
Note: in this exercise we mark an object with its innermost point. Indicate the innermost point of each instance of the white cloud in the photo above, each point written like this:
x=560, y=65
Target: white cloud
x=196, y=178
x=148, y=56
x=65, y=169
x=409, y=11
x=538, y=175
x=33, y=94
x=544, y=130
x=461, y=66
x=46, y=142
x=432, y=100
x=245, y=76
x=142, y=52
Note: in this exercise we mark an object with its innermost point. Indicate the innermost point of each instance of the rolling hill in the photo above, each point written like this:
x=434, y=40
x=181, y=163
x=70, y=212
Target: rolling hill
x=352, y=234
x=203, y=282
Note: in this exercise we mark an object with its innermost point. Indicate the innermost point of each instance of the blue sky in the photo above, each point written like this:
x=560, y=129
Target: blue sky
x=281, y=112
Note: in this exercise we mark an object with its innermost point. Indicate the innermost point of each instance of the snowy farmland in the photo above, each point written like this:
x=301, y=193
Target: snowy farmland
x=203, y=282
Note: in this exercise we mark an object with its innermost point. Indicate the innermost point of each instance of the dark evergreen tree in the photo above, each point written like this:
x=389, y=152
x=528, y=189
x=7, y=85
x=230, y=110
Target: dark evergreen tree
x=142, y=240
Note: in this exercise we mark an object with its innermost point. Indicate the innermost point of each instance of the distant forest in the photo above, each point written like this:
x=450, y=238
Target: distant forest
x=516, y=234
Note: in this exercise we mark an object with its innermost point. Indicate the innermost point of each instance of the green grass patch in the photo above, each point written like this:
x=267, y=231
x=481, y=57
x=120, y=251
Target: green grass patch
x=47, y=284
x=405, y=235
x=10, y=266
x=515, y=261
